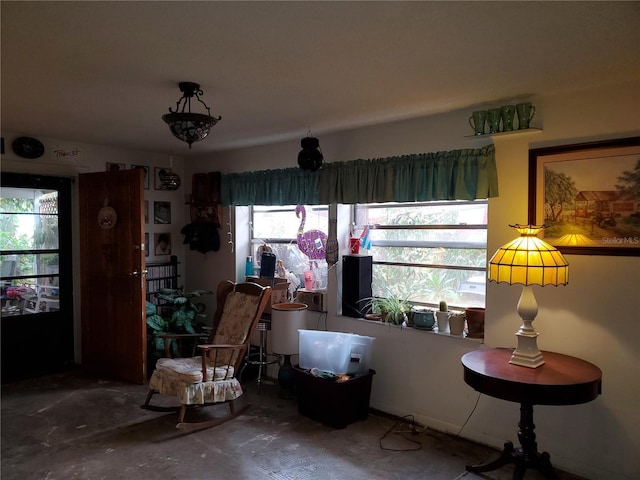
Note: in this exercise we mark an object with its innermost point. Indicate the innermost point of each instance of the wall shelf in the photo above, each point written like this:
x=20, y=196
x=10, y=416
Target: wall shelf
x=161, y=275
x=526, y=131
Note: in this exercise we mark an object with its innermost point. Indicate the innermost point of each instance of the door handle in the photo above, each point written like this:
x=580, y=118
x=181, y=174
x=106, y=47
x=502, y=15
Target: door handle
x=136, y=273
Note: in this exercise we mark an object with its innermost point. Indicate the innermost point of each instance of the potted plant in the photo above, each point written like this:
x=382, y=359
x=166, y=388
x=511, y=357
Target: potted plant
x=181, y=317
x=392, y=308
x=475, y=321
x=442, y=316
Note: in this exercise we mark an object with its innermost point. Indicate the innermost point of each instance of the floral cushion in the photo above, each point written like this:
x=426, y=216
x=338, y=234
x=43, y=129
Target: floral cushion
x=237, y=315
x=189, y=370
x=194, y=393
x=238, y=312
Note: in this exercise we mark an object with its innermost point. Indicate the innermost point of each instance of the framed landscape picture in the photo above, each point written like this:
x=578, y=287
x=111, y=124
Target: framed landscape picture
x=588, y=196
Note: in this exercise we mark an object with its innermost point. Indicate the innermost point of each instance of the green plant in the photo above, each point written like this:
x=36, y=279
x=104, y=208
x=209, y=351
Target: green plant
x=183, y=317
x=392, y=307
x=443, y=306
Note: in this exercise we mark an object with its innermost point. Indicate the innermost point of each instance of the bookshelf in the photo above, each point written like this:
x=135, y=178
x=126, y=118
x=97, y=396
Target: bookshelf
x=161, y=275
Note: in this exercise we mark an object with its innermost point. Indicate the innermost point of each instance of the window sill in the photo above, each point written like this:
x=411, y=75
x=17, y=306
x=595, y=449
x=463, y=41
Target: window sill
x=414, y=329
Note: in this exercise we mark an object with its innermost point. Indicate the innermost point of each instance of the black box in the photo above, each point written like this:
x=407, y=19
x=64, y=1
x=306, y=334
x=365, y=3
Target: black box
x=356, y=284
x=336, y=404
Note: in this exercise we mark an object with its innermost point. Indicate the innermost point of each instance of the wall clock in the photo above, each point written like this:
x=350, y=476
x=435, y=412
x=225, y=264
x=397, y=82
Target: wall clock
x=27, y=147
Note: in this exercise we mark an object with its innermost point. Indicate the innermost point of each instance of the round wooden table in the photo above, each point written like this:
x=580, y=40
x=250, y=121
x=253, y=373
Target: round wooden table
x=562, y=380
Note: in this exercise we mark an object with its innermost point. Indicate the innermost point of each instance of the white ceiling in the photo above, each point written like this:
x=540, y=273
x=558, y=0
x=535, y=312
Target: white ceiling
x=105, y=72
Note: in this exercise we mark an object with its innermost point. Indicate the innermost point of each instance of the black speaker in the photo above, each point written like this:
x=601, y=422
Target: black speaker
x=356, y=284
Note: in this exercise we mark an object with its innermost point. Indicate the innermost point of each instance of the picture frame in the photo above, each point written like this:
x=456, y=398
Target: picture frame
x=162, y=213
x=587, y=196
x=114, y=167
x=146, y=174
x=162, y=243
x=157, y=183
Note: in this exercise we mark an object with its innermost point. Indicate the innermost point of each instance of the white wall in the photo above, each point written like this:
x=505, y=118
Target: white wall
x=595, y=317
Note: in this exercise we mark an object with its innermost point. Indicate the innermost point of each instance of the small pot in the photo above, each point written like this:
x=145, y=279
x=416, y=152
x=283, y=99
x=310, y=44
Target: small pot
x=424, y=319
x=443, y=321
x=456, y=324
x=475, y=322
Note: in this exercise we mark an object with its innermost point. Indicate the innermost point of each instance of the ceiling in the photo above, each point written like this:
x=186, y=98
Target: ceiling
x=105, y=72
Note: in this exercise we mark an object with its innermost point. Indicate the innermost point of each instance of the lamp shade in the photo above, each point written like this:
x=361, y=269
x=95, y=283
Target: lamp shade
x=528, y=260
x=286, y=320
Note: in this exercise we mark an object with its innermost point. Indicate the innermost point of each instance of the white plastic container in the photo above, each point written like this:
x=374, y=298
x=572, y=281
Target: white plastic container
x=335, y=352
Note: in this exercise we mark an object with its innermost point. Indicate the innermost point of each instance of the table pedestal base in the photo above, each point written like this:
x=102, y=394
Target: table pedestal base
x=522, y=461
x=527, y=456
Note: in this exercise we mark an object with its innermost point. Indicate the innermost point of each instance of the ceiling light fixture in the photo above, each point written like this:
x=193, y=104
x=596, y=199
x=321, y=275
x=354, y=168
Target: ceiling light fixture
x=310, y=157
x=189, y=127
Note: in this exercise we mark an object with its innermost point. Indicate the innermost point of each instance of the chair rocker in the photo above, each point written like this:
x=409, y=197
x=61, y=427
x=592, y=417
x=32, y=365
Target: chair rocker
x=210, y=378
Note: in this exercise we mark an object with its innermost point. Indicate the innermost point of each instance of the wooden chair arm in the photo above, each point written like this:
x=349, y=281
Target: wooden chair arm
x=180, y=336
x=218, y=349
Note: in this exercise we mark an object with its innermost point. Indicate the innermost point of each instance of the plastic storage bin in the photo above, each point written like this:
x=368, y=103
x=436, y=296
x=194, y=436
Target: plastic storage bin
x=336, y=404
x=335, y=352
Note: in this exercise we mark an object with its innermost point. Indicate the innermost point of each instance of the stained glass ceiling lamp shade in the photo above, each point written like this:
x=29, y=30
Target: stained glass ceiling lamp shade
x=186, y=126
x=528, y=260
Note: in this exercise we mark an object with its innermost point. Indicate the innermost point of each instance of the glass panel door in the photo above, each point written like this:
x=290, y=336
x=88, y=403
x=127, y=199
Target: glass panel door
x=35, y=284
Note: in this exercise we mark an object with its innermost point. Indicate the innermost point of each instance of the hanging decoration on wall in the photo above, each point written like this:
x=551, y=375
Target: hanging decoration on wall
x=313, y=243
x=310, y=157
x=169, y=180
x=107, y=216
x=332, y=243
x=186, y=126
x=206, y=213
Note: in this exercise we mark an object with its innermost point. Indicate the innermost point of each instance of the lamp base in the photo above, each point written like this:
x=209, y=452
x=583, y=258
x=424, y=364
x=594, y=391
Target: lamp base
x=526, y=353
x=286, y=379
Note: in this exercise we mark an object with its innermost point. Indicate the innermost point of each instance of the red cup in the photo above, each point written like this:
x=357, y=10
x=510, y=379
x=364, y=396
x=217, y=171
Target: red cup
x=354, y=246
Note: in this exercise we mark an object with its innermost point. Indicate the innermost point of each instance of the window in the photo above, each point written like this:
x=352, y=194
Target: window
x=427, y=252
x=29, y=250
x=282, y=230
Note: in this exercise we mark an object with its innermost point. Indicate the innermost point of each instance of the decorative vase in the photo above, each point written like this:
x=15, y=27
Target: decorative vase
x=456, y=324
x=477, y=121
x=507, y=114
x=526, y=111
x=443, y=322
x=475, y=322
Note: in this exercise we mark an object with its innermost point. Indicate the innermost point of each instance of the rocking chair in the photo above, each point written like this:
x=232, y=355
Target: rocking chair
x=211, y=377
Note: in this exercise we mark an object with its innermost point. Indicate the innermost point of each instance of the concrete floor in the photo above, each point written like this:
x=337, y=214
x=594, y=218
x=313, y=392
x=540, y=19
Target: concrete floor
x=75, y=426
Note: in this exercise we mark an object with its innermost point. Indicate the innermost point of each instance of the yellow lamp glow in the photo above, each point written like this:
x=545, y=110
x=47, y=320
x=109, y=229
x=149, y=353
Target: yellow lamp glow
x=528, y=260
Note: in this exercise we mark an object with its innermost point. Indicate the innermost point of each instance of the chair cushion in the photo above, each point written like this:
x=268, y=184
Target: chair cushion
x=194, y=393
x=238, y=312
x=189, y=370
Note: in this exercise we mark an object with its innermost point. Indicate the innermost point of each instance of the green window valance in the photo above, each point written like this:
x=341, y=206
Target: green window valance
x=454, y=175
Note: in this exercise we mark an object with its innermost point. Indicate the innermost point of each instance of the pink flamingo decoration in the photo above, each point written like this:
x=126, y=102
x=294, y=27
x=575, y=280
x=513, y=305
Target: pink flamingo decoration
x=313, y=243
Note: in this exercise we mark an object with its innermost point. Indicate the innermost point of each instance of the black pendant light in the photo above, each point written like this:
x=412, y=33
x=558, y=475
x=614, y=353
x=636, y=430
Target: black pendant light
x=189, y=127
x=310, y=157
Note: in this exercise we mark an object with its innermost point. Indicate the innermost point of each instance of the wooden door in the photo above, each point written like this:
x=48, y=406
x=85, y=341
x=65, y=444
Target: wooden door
x=113, y=285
